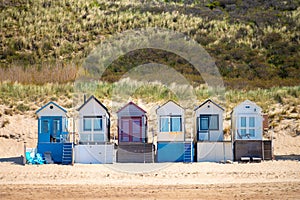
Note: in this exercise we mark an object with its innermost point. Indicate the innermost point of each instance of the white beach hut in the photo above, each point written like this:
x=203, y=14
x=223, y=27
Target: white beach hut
x=209, y=130
x=94, y=133
x=247, y=121
x=247, y=132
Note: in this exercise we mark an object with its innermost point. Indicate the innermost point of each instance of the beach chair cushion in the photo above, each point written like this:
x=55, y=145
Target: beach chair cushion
x=39, y=159
x=29, y=158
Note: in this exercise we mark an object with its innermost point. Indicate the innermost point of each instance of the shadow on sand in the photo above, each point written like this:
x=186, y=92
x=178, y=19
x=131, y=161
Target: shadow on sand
x=14, y=160
x=287, y=157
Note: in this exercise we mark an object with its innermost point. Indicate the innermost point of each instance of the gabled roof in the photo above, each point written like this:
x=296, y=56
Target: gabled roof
x=168, y=102
x=208, y=100
x=89, y=99
x=51, y=102
x=246, y=102
x=131, y=103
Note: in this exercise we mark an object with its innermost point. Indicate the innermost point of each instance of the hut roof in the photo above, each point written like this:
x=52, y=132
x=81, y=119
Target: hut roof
x=51, y=102
x=89, y=99
x=208, y=100
x=131, y=103
x=167, y=103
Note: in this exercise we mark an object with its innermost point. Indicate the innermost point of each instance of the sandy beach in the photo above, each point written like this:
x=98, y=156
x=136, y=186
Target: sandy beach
x=266, y=180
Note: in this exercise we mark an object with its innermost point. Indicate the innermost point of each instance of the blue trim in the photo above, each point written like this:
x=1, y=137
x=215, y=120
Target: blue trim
x=170, y=151
x=175, y=152
x=51, y=102
x=45, y=137
x=39, y=126
x=56, y=150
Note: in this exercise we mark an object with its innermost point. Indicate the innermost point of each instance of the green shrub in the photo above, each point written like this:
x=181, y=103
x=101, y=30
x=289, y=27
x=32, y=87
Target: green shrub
x=278, y=98
x=22, y=108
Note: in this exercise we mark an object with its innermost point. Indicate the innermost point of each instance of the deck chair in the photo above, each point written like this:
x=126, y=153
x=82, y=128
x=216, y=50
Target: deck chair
x=39, y=159
x=29, y=158
x=48, y=157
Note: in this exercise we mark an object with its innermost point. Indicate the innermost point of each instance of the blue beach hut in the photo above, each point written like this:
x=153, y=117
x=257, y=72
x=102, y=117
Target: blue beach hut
x=53, y=133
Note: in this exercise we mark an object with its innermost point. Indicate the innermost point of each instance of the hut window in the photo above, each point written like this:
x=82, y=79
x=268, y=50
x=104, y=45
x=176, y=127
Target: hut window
x=243, y=121
x=98, y=124
x=208, y=122
x=87, y=124
x=164, y=124
x=170, y=124
x=243, y=126
x=93, y=123
x=252, y=126
x=45, y=126
x=247, y=127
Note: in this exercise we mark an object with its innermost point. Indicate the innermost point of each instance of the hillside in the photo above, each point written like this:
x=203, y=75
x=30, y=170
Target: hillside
x=254, y=42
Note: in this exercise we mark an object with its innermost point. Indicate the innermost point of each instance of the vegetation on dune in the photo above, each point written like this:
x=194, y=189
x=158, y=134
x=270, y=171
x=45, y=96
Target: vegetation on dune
x=12, y=93
x=281, y=103
x=19, y=98
x=253, y=42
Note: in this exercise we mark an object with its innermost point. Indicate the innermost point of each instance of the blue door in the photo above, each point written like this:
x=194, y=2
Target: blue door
x=50, y=129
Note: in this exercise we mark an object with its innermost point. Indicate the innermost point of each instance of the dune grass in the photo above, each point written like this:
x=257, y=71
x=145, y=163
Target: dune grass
x=248, y=39
x=24, y=96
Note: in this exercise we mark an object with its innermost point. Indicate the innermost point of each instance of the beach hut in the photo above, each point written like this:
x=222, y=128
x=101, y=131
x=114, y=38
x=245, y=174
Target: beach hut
x=53, y=133
x=172, y=145
x=132, y=135
x=94, y=133
x=209, y=130
x=247, y=121
x=247, y=131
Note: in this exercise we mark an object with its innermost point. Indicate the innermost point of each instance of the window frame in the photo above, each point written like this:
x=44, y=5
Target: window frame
x=100, y=125
x=170, y=120
x=245, y=131
x=85, y=119
x=208, y=116
x=43, y=123
x=92, y=123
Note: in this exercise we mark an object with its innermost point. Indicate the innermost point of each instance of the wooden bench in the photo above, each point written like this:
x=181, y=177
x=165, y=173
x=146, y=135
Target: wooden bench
x=245, y=159
x=256, y=159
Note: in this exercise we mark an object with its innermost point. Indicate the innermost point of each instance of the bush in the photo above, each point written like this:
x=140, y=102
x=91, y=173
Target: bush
x=21, y=107
x=278, y=98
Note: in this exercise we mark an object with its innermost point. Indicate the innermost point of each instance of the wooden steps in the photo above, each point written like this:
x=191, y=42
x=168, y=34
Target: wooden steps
x=188, y=152
x=67, y=153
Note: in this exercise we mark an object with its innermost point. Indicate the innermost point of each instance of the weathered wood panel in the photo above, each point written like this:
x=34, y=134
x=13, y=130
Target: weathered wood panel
x=265, y=122
x=268, y=151
x=253, y=148
x=135, y=153
x=247, y=149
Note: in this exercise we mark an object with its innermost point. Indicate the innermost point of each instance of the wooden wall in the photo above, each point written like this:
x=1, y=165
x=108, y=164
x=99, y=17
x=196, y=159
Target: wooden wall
x=135, y=153
x=252, y=148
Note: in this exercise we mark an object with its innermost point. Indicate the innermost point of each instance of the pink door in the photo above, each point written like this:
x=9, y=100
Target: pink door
x=131, y=129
